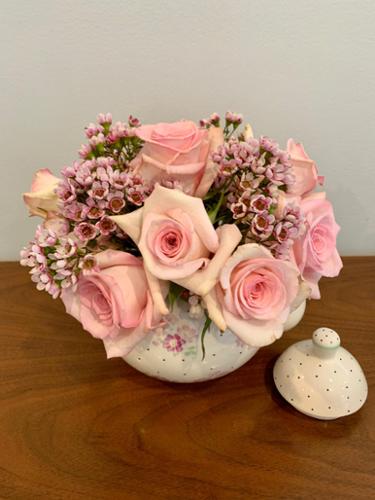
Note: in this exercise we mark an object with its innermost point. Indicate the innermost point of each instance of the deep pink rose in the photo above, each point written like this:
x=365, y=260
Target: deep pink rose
x=42, y=199
x=303, y=169
x=178, y=241
x=113, y=302
x=178, y=152
x=315, y=252
x=255, y=295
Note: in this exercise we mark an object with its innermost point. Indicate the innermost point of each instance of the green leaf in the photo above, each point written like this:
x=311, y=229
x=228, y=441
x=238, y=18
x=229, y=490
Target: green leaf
x=206, y=326
x=173, y=293
x=213, y=213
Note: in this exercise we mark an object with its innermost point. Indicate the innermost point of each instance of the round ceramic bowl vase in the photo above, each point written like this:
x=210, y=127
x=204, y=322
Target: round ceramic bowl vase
x=174, y=353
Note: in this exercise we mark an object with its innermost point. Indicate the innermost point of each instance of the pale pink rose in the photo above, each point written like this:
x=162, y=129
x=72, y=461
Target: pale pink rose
x=177, y=239
x=42, y=199
x=177, y=152
x=113, y=302
x=315, y=252
x=255, y=295
x=303, y=168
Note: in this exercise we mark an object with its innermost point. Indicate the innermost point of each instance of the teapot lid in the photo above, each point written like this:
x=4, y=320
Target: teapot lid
x=320, y=378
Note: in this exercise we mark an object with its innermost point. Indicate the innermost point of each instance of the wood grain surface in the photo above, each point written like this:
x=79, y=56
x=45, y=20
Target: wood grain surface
x=74, y=425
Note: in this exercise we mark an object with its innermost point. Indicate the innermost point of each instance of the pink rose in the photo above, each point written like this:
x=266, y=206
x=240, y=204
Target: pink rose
x=315, y=252
x=178, y=152
x=303, y=169
x=255, y=295
x=42, y=200
x=176, y=239
x=113, y=302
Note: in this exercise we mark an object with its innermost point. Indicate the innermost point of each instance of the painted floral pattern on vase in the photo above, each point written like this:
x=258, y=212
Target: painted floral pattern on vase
x=174, y=353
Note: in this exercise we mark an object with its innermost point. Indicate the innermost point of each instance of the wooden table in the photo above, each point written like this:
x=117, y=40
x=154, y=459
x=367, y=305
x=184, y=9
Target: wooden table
x=74, y=425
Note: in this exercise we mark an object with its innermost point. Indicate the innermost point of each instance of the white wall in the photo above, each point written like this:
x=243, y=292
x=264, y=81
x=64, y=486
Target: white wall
x=300, y=68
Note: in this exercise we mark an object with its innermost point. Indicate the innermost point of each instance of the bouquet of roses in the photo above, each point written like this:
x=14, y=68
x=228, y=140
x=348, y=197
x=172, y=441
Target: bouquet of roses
x=201, y=213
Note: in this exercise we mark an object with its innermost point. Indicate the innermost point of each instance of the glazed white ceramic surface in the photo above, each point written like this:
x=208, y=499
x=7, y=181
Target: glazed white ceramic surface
x=320, y=378
x=174, y=352
x=295, y=317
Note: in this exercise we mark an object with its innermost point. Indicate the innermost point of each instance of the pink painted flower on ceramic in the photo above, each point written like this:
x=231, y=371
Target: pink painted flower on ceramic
x=42, y=199
x=113, y=302
x=176, y=239
x=304, y=170
x=315, y=252
x=174, y=343
x=255, y=295
x=177, y=152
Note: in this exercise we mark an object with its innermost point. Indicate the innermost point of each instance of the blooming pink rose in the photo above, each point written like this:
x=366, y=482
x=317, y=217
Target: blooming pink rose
x=113, y=302
x=255, y=295
x=178, y=152
x=303, y=169
x=42, y=200
x=176, y=239
x=315, y=252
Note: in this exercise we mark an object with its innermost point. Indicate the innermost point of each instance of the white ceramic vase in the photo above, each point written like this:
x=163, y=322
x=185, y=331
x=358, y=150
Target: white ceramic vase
x=174, y=353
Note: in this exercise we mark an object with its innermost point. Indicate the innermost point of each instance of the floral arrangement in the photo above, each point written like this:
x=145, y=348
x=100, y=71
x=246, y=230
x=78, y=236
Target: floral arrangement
x=205, y=214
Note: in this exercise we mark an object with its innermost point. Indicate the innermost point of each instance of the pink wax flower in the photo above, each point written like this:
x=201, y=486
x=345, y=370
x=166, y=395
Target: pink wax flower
x=95, y=140
x=260, y=203
x=84, y=151
x=262, y=225
x=176, y=151
x=99, y=190
x=95, y=212
x=204, y=123
x=254, y=295
x=104, y=118
x=58, y=225
x=75, y=211
x=315, y=252
x=113, y=302
x=214, y=119
x=234, y=118
x=54, y=260
x=85, y=231
x=133, y=121
x=303, y=169
x=116, y=201
x=42, y=199
x=84, y=175
x=119, y=179
x=106, y=226
x=93, y=129
x=66, y=191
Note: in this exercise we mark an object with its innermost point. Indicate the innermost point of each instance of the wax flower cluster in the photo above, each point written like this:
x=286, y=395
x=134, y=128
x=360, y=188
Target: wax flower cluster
x=253, y=172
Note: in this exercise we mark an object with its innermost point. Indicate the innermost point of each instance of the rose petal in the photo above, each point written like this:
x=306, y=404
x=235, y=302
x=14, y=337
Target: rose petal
x=204, y=280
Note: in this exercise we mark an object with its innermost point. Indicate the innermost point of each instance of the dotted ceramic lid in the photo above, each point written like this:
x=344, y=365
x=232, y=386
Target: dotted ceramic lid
x=320, y=378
